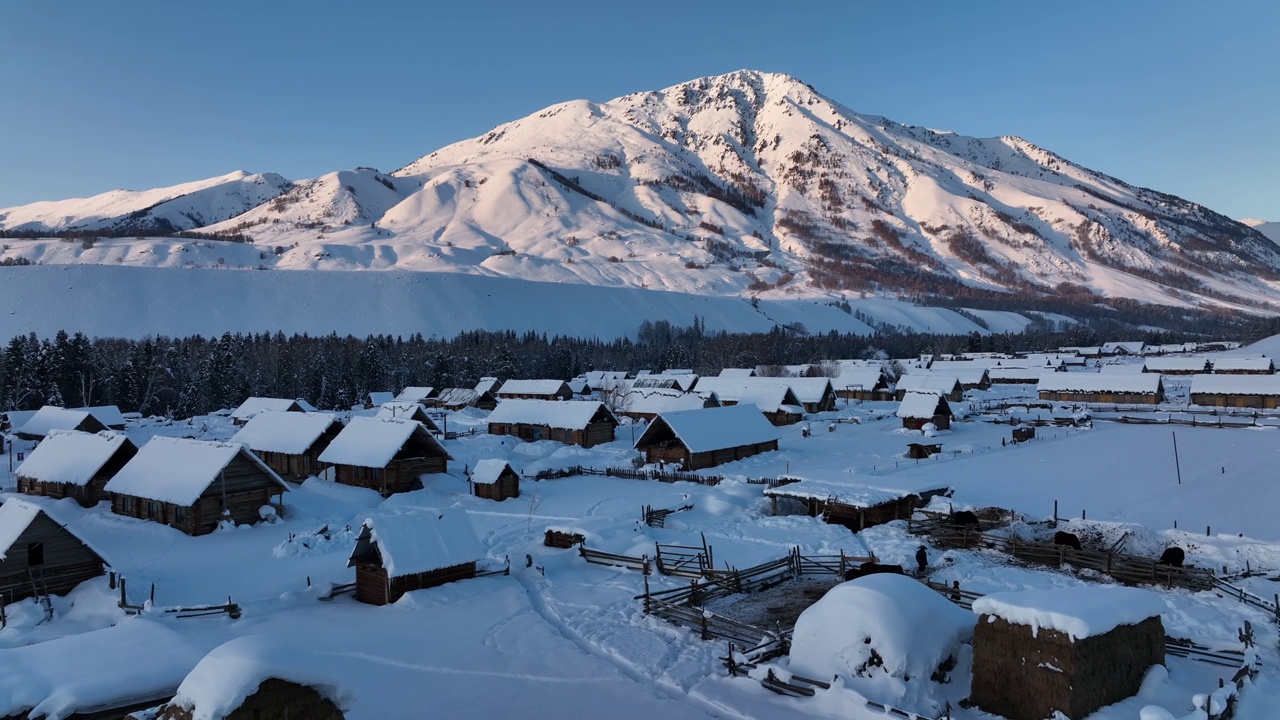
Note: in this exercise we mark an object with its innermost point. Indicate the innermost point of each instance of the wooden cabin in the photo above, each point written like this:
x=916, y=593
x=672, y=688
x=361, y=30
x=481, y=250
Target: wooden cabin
x=866, y=384
x=408, y=411
x=495, y=480
x=1017, y=375
x=1176, y=365
x=51, y=417
x=41, y=555
x=396, y=554
x=816, y=394
x=415, y=394
x=706, y=437
x=1089, y=387
x=773, y=397
x=1243, y=366
x=376, y=399
x=854, y=506
x=919, y=409
x=1236, y=391
x=389, y=455
x=1129, y=348
x=1064, y=652
x=255, y=405
x=948, y=386
x=193, y=485
x=648, y=403
x=602, y=380
x=459, y=398
x=289, y=443
x=923, y=451
x=70, y=463
x=582, y=422
x=108, y=415
x=738, y=373
x=535, y=390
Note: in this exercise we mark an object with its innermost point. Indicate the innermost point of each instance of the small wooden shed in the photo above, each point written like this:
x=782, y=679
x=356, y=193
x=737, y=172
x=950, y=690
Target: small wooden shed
x=51, y=417
x=921, y=408
x=193, y=485
x=39, y=555
x=855, y=506
x=74, y=464
x=396, y=554
x=1065, y=650
x=705, y=437
x=495, y=479
x=254, y=405
x=535, y=390
x=389, y=455
x=582, y=422
x=289, y=442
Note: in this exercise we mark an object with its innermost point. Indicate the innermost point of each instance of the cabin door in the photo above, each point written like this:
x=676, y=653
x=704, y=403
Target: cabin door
x=35, y=554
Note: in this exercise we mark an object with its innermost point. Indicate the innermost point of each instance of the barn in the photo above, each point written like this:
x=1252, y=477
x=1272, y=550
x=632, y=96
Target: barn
x=193, y=485
x=40, y=555
x=51, y=417
x=255, y=405
x=1243, y=366
x=408, y=411
x=415, y=394
x=1086, y=387
x=495, y=479
x=289, y=443
x=396, y=554
x=535, y=390
x=1065, y=650
x=841, y=503
x=389, y=455
x=646, y=404
x=583, y=422
x=920, y=408
x=1236, y=391
x=1175, y=365
x=706, y=437
x=70, y=463
x=459, y=398
x=948, y=386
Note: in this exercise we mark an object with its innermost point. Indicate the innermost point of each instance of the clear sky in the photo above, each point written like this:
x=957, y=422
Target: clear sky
x=1176, y=95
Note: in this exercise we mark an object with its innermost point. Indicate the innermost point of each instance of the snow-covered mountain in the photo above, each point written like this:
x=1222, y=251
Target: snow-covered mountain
x=750, y=184
x=1270, y=229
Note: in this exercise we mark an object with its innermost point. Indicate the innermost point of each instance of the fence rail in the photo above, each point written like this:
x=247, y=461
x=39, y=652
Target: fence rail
x=669, y=476
x=625, y=561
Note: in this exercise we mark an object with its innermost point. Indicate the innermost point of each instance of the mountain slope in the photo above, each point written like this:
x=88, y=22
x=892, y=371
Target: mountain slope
x=1270, y=229
x=754, y=184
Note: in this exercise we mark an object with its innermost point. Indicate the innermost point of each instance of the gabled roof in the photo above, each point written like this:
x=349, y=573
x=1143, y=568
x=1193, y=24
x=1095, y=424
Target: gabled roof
x=862, y=496
x=415, y=394
x=407, y=410
x=1131, y=348
x=488, y=471
x=378, y=398
x=560, y=414
x=769, y=394
x=179, y=470
x=1175, y=364
x=16, y=515
x=921, y=405
x=968, y=372
x=373, y=442
x=487, y=384
x=1254, y=364
x=457, y=396
x=51, y=417
x=72, y=457
x=658, y=382
x=1027, y=374
x=809, y=389
x=534, y=387
x=652, y=401
x=108, y=415
x=706, y=429
x=420, y=541
x=738, y=372
x=579, y=386
x=255, y=405
x=291, y=433
x=1086, y=382
x=1235, y=384
x=924, y=381
x=863, y=378
x=600, y=379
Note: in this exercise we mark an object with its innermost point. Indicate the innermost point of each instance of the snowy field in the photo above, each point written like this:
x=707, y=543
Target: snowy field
x=566, y=638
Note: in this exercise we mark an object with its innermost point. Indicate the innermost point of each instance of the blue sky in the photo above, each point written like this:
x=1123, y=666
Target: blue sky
x=1180, y=96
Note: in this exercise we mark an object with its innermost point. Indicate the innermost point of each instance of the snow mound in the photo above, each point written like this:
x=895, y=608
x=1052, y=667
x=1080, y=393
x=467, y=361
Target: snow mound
x=887, y=621
x=316, y=542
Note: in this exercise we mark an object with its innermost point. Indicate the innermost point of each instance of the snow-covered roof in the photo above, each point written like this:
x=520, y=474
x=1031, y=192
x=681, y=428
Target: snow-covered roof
x=1175, y=364
x=1235, y=384
x=809, y=390
x=706, y=429
x=560, y=414
x=409, y=410
x=918, y=405
x=652, y=401
x=738, y=372
x=1240, y=364
x=660, y=382
x=533, y=387
x=378, y=398
x=70, y=456
x=487, y=384
x=422, y=541
x=373, y=442
x=924, y=381
x=108, y=415
x=1028, y=374
x=16, y=515
x=457, y=396
x=864, y=378
x=1079, y=612
x=861, y=496
x=291, y=433
x=414, y=394
x=255, y=405
x=1131, y=347
x=966, y=372
x=488, y=471
x=1085, y=382
x=179, y=470
x=579, y=386
x=51, y=417
x=768, y=394
x=599, y=379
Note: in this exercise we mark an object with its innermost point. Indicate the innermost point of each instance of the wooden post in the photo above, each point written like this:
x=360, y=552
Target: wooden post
x=153, y=593
x=1055, y=513
x=1177, y=466
x=124, y=598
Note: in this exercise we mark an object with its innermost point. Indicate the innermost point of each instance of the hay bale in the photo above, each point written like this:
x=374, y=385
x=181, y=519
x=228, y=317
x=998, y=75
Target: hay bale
x=1071, y=650
x=275, y=699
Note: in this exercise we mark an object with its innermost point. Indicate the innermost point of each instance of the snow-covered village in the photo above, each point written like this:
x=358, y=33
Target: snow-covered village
x=639, y=361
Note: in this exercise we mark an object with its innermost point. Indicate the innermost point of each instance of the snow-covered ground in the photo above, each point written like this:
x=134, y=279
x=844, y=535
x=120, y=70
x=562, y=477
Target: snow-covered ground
x=564, y=636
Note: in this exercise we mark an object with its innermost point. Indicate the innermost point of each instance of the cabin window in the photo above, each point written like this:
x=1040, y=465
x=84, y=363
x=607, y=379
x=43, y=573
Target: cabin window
x=126, y=504
x=180, y=515
x=35, y=554
x=153, y=509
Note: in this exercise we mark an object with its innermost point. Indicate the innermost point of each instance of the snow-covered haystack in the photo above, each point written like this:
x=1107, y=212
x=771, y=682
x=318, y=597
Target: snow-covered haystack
x=878, y=624
x=253, y=673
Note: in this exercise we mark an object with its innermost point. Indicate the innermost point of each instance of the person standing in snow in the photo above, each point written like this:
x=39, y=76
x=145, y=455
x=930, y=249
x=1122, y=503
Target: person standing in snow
x=922, y=558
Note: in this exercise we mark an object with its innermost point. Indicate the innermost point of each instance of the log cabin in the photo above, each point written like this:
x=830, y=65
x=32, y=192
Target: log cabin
x=581, y=422
x=706, y=437
x=40, y=555
x=460, y=398
x=855, y=506
x=415, y=394
x=1176, y=365
x=1243, y=366
x=866, y=384
x=255, y=405
x=400, y=553
x=108, y=415
x=775, y=399
x=1134, y=388
x=946, y=385
x=51, y=417
x=495, y=479
x=816, y=394
x=648, y=403
x=289, y=442
x=389, y=455
x=74, y=464
x=535, y=390
x=1236, y=391
x=921, y=408
x=193, y=485
x=376, y=399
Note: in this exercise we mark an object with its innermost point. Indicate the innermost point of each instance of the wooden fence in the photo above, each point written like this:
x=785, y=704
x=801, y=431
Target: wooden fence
x=668, y=476
x=624, y=561
x=657, y=517
x=230, y=609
